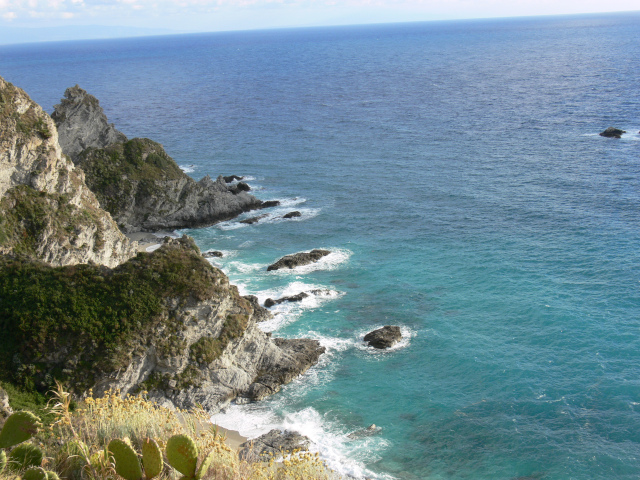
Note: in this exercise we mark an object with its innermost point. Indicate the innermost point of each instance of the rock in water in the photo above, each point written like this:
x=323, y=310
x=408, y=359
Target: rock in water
x=252, y=220
x=298, y=259
x=213, y=254
x=260, y=313
x=384, y=337
x=292, y=214
x=612, y=132
x=269, y=302
x=273, y=444
x=270, y=203
x=232, y=178
x=81, y=123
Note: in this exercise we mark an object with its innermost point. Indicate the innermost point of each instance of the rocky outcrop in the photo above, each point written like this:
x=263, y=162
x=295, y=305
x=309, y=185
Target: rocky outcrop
x=82, y=124
x=232, y=178
x=167, y=322
x=292, y=215
x=298, y=259
x=213, y=254
x=46, y=210
x=270, y=302
x=385, y=337
x=252, y=220
x=272, y=445
x=612, y=132
x=135, y=180
x=260, y=314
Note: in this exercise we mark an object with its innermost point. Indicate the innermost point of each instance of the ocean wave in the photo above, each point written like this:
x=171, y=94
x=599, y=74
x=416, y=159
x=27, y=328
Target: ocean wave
x=272, y=215
x=187, y=168
x=329, y=438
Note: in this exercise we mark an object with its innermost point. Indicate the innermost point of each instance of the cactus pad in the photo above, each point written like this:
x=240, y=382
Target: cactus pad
x=151, y=458
x=34, y=473
x=19, y=427
x=182, y=454
x=205, y=465
x=25, y=455
x=126, y=460
x=52, y=475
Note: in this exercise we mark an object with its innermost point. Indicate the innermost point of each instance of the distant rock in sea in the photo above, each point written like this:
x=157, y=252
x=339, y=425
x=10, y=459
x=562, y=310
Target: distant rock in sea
x=292, y=215
x=612, y=132
x=231, y=178
x=298, y=259
x=385, y=337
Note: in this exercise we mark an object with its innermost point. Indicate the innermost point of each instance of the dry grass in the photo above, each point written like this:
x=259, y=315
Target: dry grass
x=75, y=444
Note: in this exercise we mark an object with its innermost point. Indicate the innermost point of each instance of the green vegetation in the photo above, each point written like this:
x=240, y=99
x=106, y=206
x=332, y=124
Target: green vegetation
x=28, y=213
x=91, y=312
x=208, y=349
x=29, y=123
x=123, y=170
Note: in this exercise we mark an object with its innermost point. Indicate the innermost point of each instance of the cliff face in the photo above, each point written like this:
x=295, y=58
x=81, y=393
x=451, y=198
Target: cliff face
x=89, y=126
x=46, y=210
x=136, y=181
x=167, y=322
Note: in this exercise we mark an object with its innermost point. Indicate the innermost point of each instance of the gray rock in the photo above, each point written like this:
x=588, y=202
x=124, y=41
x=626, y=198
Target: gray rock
x=270, y=203
x=240, y=187
x=81, y=123
x=252, y=220
x=384, y=337
x=292, y=214
x=232, y=178
x=212, y=254
x=612, y=132
x=260, y=313
x=273, y=444
x=298, y=259
x=269, y=302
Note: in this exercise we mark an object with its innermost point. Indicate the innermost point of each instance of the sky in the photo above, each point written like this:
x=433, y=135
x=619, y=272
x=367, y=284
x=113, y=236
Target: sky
x=181, y=16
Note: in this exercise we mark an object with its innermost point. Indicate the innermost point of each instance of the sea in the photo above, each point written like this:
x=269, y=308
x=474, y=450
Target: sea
x=455, y=172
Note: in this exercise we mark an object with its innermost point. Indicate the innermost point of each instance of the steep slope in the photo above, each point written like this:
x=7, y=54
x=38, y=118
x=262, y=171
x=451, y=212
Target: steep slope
x=46, y=210
x=166, y=321
x=136, y=181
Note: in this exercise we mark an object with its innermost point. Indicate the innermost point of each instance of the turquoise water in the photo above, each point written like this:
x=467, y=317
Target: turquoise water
x=455, y=171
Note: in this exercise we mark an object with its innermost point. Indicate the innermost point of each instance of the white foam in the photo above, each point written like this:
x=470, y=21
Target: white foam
x=272, y=215
x=187, y=168
x=407, y=335
x=343, y=455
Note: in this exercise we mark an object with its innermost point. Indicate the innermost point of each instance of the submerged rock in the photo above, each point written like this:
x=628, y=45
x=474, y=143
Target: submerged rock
x=384, y=337
x=365, y=432
x=252, y=220
x=298, y=259
x=612, y=132
x=272, y=445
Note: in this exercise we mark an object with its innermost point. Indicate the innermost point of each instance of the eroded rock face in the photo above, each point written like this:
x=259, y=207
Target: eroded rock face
x=385, y=337
x=298, y=259
x=272, y=445
x=612, y=132
x=46, y=210
x=81, y=123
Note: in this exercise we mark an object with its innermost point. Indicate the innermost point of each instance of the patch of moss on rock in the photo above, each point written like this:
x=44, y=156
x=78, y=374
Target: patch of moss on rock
x=207, y=349
x=124, y=169
x=28, y=123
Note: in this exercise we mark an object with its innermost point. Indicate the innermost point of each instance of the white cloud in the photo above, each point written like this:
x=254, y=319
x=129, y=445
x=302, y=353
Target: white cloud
x=9, y=16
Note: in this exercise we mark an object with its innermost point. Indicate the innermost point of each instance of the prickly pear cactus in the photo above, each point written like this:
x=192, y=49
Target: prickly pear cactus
x=24, y=456
x=182, y=454
x=34, y=473
x=19, y=427
x=151, y=458
x=127, y=463
x=52, y=475
x=205, y=465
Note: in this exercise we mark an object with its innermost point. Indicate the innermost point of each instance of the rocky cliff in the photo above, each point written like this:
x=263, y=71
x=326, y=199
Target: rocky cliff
x=46, y=210
x=167, y=322
x=136, y=181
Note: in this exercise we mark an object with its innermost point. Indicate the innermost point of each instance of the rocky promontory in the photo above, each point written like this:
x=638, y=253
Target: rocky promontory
x=46, y=210
x=80, y=306
x=136, y=180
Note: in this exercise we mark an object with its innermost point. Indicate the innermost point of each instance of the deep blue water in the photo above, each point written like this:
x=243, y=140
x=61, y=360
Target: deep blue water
x=455, y=171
